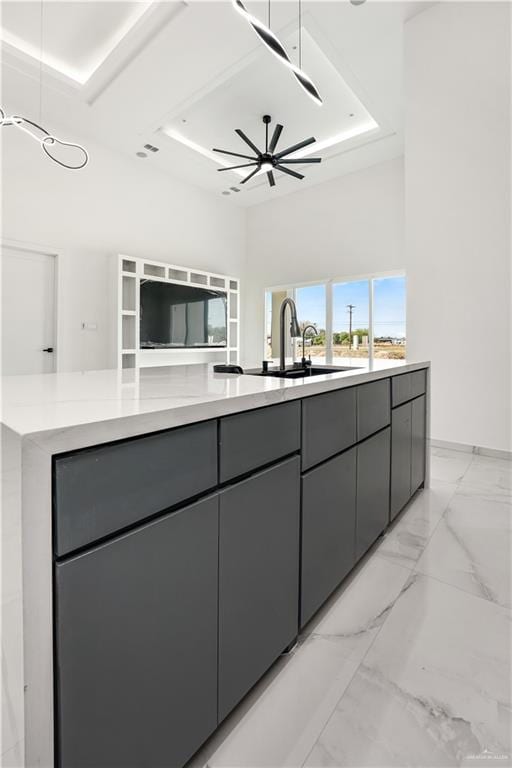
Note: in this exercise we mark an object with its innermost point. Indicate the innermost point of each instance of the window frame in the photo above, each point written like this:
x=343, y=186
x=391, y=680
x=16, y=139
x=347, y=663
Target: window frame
x=291, y=289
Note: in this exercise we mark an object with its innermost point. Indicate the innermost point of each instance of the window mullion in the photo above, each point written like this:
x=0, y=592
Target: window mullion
x=370, y=320
x=328, y=322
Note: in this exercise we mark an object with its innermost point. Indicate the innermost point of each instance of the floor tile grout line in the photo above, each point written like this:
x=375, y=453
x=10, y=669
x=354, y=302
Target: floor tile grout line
x=356, y=669
x=465, y=591
x=412, y=572
x=436, y=526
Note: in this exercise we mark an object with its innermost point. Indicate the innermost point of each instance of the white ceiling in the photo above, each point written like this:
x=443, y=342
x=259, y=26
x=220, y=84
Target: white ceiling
x=130, y=73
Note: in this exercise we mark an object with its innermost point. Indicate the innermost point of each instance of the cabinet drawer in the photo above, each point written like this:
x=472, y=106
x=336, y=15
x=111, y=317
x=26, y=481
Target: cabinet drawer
x=373, y=407
x=408, y=385
x=252, y=439
x=328, y=425
x=328, y=529
x=103, y=490
x=258, y=577
x=136, y=641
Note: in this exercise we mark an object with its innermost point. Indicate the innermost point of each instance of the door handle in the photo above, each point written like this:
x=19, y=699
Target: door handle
x=48, y=349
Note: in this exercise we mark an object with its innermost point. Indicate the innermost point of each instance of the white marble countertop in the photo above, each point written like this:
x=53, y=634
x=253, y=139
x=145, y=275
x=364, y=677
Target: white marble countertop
x=63, y=411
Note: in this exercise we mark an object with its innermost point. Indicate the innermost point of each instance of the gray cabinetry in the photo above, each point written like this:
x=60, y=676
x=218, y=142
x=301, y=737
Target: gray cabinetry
x=372, y=489
x=373, y=407
x=408, y=436
x=258, y=577
x=401, y=458
x=328, y=529
x=254, y=438
x=136, y=645
x=406, y=386
x=418, y=442
x=328, y=425
x=104, y=489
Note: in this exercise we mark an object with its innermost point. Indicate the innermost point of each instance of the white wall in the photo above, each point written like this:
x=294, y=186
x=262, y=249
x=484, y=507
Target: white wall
x=351, y=225
x=114, y=205
x=457, y=177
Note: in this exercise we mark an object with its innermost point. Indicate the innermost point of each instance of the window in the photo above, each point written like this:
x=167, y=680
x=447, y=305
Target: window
x=389, y=317
x=350, y=319
x=362, y=318
x=311, y=310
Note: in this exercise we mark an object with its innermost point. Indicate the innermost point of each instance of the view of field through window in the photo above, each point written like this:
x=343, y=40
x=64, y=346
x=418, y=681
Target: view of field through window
x=350, y=319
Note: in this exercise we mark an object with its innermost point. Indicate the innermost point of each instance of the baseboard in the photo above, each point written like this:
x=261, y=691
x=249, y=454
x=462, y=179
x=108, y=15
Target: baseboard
x=477, y=450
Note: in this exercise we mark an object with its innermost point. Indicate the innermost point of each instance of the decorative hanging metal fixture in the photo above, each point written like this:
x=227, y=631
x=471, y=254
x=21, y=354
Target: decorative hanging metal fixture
x=276, y=47
x=45, y=139
x=36, y=131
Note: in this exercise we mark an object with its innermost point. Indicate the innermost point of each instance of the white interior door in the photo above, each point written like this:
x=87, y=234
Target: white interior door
x=28, y=312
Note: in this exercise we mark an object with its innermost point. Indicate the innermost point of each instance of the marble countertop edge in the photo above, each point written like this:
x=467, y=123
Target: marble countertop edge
x=58, y=415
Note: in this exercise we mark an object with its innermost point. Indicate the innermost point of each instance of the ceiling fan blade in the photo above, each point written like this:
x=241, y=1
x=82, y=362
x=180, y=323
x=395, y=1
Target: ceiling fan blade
x=295, y=147
x=247, y=141
x=250, y=175
x=289, y=171
x=233, y=167
x=271, y=180
x=234, y=154
x=301, y=160
x=275, y=138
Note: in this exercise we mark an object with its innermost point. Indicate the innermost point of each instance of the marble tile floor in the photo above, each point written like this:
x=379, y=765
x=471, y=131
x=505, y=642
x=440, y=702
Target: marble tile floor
x=408, y=664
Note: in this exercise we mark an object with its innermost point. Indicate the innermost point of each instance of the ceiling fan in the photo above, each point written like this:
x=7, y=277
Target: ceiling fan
x=269, y=160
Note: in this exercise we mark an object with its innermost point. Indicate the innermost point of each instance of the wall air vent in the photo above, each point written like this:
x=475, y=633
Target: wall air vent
x=151, y=148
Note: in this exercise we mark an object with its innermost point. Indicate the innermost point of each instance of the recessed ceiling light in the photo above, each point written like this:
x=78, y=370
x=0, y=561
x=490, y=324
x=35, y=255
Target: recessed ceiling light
x=141, y=154
x=234, y=189
x=151, y=148
x=226, y=192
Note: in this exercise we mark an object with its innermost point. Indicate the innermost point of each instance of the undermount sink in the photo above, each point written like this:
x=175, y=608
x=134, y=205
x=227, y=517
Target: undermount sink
x=302, y=373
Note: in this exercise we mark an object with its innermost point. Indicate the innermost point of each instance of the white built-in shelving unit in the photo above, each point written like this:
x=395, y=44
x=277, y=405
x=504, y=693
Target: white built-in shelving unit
x=130, y=272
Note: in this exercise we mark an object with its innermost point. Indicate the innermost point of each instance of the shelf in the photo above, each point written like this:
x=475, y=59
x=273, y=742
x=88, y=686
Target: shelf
x=130, y=271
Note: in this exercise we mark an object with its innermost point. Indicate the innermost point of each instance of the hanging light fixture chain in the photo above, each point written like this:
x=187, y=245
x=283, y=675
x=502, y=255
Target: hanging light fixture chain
x=41, y=19
x=300, y=34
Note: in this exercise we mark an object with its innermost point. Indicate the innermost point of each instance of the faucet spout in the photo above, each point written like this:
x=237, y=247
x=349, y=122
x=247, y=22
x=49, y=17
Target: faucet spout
x=294, y=329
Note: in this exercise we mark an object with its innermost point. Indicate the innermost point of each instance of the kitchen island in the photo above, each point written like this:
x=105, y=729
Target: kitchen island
x=171, y=530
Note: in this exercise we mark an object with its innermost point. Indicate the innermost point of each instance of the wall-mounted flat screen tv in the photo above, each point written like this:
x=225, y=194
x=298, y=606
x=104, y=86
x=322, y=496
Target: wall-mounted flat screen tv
x=174, y=316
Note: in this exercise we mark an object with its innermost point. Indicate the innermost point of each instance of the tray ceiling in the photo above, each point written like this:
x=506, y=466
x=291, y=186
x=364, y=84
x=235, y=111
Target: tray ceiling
x=73, y=38
x=130, y=73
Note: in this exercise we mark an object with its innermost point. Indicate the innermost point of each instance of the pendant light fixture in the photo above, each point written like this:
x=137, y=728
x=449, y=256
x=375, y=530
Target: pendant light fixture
x=276, y=47
x=46, y=140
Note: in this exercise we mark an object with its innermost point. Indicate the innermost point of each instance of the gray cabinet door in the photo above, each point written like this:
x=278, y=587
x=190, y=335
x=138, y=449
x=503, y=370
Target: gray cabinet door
x=258, y=577
x=373, y=407
x=328, y=425
x=372, y=515
x=401, y=433
x=136, y=642
x=418, y=429
x=328, y=529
